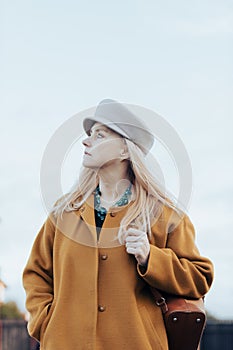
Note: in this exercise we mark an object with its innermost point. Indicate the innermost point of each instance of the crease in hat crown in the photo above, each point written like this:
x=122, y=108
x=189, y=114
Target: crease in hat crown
x=119, y=118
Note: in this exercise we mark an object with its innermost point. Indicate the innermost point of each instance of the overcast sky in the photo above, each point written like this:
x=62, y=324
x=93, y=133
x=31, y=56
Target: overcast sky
x=60, y=57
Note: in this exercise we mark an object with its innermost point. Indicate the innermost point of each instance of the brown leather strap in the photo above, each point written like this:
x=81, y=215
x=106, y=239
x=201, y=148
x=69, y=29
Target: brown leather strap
x=159, y=300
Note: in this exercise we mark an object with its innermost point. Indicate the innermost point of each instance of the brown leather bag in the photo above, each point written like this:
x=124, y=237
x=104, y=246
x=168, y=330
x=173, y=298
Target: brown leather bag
x=184, y=319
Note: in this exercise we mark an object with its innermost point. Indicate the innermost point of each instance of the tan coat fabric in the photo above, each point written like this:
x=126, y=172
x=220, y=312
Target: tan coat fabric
x=85, y=295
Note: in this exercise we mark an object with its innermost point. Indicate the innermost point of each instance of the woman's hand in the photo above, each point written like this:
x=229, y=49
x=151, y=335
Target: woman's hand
x=137, y=243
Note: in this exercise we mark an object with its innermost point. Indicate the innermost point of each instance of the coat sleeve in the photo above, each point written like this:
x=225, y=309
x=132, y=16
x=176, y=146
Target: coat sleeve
x=179, y=268
x=38, y=278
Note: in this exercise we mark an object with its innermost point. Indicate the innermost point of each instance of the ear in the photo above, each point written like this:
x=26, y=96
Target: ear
x=124, y=155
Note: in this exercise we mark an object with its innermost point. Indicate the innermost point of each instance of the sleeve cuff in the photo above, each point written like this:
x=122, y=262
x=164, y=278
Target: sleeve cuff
x=143, y=270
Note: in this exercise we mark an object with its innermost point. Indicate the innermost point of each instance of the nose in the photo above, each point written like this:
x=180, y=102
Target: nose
x=86, y=142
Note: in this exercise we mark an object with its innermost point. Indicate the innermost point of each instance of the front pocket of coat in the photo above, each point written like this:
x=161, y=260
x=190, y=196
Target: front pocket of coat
x=150, y=330
x=45, y=323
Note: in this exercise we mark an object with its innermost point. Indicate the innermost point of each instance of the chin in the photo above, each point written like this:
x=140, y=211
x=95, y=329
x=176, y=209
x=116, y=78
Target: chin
x=88, y=165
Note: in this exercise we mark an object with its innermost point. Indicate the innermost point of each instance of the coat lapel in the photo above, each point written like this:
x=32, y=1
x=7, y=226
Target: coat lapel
x=111, y=225
x=87, y=214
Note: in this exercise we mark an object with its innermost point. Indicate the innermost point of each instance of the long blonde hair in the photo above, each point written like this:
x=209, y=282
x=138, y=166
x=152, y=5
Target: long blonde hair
x=150, y=197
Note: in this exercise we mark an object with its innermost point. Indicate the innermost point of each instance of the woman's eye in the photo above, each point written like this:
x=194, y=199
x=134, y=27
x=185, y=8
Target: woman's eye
x=99, y=135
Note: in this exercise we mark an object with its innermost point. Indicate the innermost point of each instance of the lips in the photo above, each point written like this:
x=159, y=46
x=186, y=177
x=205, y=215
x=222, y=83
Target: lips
x=86, y=153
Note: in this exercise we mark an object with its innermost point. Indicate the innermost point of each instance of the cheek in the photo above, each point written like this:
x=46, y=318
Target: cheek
x=107, y=148
x=111, y=152
x=105, y=155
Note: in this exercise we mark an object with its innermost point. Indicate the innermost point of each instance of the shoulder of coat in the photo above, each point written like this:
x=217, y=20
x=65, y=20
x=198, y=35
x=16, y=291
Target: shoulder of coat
x=170, y=217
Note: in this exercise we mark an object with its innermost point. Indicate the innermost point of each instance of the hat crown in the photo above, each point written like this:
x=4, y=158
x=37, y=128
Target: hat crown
x=119, y=118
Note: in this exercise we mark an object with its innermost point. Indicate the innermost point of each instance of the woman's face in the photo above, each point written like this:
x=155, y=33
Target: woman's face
x=103, y=147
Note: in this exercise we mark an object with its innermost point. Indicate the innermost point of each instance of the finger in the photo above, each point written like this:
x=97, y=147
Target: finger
x=132, y=238
x=135, y=236
x=142, y=238
x=134, y=232
x=131, y=250
x=135, y=244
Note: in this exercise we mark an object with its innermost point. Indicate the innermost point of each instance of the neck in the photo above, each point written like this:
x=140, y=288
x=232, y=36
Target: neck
x=112, y=185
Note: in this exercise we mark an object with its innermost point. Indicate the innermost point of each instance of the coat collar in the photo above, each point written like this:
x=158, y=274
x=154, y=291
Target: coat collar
x=110, y=228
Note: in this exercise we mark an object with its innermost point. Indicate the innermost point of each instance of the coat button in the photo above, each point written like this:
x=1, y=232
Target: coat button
x=101, y=308
x=82, y=209
x=104, y=256
x=112, y=214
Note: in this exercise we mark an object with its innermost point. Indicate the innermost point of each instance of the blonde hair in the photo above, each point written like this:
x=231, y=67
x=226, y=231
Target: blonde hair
x=150, y=197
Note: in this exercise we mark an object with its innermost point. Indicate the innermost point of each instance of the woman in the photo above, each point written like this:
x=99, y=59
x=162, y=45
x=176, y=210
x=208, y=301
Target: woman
x=106, y=243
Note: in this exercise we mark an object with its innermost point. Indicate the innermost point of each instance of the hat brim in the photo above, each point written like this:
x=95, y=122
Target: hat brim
x=89, y=122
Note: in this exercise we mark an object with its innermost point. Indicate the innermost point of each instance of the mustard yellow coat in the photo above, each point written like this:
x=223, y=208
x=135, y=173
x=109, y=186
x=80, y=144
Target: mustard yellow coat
x=88, y=295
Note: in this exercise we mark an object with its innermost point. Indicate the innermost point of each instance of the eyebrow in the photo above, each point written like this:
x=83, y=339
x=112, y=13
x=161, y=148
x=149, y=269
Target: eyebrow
x=99, y=129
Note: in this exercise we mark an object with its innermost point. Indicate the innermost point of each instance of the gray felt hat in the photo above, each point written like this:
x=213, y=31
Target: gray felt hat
x=118, y=117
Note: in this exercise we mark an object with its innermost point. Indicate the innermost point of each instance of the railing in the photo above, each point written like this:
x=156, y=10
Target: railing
x=218, y=336
x=14, y=336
